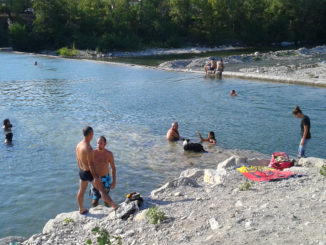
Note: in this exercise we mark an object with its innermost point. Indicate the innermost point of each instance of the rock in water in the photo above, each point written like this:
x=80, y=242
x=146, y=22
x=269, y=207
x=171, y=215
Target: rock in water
x=11, y=240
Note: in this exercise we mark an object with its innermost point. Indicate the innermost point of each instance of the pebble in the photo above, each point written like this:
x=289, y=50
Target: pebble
x=214, y=224
x=238, y=204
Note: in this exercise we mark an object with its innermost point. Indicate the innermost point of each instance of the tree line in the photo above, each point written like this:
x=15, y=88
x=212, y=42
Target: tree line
x=107, y=25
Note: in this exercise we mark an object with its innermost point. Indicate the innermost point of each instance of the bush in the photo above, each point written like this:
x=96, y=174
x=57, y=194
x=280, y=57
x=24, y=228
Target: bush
x=67, y=52
x=68, y=220
x=245, y=186
x=155, y=216
x=323, y=170
x=103, y=237
x=18, y=36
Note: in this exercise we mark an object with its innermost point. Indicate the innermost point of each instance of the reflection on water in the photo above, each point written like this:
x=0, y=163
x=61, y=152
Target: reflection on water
x=49, y=104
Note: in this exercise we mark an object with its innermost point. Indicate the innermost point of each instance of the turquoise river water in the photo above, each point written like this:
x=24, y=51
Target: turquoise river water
x=133, y=107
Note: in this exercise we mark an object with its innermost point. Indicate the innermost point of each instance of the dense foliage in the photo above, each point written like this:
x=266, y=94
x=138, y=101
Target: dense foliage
x=125, y=24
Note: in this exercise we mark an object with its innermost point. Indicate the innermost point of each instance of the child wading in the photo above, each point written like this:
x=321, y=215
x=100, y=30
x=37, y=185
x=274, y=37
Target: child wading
x=305, y=131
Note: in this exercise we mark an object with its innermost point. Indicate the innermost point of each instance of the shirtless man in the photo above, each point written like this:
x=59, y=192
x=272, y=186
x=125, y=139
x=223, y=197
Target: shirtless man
x=85, y=160
x=211, y=67
x=220, y=68
x=173, y=133
x=102, y=158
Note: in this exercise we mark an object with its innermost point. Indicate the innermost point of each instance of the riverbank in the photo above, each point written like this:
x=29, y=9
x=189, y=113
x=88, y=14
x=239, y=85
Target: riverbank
x=300, y=66
x=207, y=206
x=294, y=66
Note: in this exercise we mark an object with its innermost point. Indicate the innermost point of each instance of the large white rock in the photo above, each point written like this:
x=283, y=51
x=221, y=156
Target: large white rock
x=193, y=173
x=312, y=162
x=230, y=162
x=214, y=177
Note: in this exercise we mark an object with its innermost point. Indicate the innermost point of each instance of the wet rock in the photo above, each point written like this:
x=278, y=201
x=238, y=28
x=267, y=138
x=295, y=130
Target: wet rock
x=11, y=240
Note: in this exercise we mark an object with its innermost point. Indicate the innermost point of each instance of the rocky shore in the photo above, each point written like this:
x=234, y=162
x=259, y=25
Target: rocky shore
x=300, y=66
x=207, y=206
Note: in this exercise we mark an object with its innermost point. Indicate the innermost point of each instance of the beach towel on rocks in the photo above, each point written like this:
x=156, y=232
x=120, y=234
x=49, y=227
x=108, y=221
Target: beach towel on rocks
x=257, y=173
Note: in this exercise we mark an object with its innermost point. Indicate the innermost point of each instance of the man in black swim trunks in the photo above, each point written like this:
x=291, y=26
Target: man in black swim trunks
x=87, y=173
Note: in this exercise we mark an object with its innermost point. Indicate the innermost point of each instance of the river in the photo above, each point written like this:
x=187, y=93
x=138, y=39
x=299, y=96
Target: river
x=133, y=107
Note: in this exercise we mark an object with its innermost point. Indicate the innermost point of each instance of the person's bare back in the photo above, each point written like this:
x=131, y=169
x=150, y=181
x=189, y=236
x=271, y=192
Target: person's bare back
x=83, y=150
x=87, y=172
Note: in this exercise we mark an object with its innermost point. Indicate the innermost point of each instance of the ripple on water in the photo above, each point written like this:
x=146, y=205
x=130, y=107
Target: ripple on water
x=133, y=108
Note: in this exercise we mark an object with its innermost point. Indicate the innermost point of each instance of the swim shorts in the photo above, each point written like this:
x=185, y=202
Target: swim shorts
x=107, y=181
x=85, y=175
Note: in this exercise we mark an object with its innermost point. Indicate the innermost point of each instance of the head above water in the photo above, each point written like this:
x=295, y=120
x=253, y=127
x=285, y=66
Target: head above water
x=175, y=125
x=297, y=112
x=211, y=135
x=6, y=122
x=101, y=143
x=88, y=132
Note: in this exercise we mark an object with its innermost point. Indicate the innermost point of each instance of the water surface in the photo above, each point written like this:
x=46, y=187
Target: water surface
x=49, y=104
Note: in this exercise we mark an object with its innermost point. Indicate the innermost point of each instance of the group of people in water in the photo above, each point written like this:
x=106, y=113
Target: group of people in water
x=94, y=165
x=174, y=135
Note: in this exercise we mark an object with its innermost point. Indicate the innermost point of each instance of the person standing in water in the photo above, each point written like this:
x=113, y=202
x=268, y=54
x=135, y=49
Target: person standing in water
x=7, y=129
x=305, y=131
x=102, y=159
x=87, y=172
x=220, y=68
x=173, y=133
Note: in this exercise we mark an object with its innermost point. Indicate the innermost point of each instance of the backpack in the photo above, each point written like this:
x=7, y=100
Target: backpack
x=280, y=161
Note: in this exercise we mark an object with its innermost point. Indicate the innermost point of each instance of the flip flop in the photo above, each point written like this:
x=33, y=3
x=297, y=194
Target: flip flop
x=84, y=212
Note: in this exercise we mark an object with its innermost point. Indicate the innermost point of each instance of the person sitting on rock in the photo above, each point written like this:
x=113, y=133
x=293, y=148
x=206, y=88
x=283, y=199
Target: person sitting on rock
x=211, y=67
x=173, y=133
x=211, y=138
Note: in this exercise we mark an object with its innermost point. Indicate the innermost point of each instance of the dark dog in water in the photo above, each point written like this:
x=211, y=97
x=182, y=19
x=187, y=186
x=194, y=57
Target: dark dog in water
x=195, y=147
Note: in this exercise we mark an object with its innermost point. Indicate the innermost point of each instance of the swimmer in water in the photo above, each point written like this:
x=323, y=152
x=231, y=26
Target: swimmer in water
x=211, y=138
x=233, y=93
x=7, y=129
